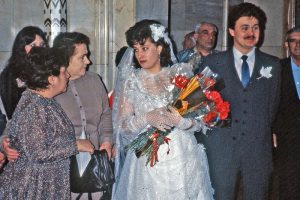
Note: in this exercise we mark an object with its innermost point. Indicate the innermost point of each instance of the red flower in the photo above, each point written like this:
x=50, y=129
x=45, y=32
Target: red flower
x=179, y=81
x=210, y=117
x=213, y=96
x=223, y=109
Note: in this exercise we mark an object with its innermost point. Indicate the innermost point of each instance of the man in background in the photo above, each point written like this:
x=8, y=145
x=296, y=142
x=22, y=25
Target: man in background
x=287, y=126
x=206, y=38
x=189, y=41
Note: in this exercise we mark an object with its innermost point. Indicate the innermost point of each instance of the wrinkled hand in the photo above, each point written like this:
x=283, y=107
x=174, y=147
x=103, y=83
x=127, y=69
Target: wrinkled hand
x=10, y=153
x=107, y=147
x=158, y=119
x=85, y=146
x=2, y=159
x=113, y=151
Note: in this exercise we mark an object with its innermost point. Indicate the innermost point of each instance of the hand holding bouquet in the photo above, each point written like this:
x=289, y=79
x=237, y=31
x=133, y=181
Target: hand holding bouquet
x=195, y=99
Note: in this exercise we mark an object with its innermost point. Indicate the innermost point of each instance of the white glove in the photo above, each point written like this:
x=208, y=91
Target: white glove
x=177, y=120
x=158, y=119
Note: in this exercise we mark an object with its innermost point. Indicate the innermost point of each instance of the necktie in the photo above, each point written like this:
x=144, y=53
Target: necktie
x=245, y=71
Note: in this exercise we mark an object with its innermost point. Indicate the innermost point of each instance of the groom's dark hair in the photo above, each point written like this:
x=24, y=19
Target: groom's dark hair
x=248, y=10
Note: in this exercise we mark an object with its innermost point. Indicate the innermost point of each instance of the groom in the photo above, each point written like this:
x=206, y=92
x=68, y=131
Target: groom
x=252, y=82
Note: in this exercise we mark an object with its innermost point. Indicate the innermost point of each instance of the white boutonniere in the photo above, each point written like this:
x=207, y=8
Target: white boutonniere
x=265, y=72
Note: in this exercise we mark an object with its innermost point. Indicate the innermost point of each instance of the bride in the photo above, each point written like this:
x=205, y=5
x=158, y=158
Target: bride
x=143, y=91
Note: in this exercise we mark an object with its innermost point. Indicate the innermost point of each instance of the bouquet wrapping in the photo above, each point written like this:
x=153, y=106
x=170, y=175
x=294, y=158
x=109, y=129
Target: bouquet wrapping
x=197, y=98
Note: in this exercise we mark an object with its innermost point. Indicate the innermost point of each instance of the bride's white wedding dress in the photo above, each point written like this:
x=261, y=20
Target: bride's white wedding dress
x=183, y=173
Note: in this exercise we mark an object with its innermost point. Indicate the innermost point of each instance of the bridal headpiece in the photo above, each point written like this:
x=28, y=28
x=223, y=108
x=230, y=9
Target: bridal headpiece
x=158, y=32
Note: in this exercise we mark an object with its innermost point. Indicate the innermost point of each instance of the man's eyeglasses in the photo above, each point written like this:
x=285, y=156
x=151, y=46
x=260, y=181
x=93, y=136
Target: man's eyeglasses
x=294, y=41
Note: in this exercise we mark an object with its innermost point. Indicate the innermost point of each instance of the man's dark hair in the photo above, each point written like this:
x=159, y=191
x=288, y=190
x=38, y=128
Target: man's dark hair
x=248, y=10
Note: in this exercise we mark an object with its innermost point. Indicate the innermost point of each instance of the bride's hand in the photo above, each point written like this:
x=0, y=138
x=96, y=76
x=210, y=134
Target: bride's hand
x=173, y=116
x=177, y=120
x=158, y=119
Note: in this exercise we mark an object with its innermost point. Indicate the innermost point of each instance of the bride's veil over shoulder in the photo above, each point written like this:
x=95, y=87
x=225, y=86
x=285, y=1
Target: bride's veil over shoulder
x=125, y=70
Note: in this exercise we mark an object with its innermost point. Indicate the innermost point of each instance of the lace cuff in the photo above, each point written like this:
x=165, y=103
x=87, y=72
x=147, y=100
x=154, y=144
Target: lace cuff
x=185, y=123
x=137, y=123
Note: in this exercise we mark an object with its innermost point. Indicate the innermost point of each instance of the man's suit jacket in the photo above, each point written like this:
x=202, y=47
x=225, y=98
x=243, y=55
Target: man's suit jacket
x=287, y=129
x=247, y=142
x=287, y=126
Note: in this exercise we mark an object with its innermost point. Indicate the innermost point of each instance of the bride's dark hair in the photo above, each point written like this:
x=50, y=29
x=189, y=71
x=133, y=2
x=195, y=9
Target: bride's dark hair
x=140, y=32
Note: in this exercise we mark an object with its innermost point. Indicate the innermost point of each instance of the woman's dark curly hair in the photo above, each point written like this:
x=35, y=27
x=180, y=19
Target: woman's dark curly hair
x=140, y=32
x=39, y=64
x=9, y=91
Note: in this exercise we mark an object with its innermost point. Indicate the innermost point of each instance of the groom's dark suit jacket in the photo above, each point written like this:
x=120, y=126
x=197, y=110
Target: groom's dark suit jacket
x=287, y=129
x=247, y=144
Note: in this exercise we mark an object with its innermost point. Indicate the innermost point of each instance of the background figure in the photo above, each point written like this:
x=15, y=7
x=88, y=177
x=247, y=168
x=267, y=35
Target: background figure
x=141, y=99
x=11, y=87
x=252, y=87
x=85, y=101
x=287, y=153
x=189, y=41
x=41, y=132
x=206, y=35
x=119, y=55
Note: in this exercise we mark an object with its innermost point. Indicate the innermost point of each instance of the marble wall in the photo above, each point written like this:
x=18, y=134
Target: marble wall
x=14, y=16
x=105, y=22
x=154, y=9
x=186, y=13
x=274, y=33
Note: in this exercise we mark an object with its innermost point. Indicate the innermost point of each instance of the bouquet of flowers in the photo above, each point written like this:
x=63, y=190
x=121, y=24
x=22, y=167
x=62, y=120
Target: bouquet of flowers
x=196, y=98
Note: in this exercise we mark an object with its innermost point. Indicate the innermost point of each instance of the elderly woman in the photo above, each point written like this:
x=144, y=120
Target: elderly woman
x=85, y=101
x=41, y=132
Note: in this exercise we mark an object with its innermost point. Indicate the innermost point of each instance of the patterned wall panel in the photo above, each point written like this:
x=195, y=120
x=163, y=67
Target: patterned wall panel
x=55, y=17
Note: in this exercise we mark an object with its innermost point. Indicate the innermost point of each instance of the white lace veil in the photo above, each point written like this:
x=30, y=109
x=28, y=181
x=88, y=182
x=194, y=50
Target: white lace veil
x=125, y=68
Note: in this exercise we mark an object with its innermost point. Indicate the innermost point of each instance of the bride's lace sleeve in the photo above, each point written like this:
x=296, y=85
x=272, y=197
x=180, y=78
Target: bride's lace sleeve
x=122, y=108
x=129, y=123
